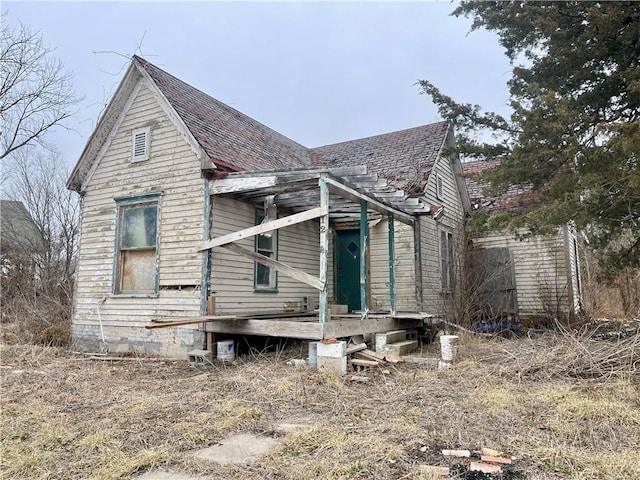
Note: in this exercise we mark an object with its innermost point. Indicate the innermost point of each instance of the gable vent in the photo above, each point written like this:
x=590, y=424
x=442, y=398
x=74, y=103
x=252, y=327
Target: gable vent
x=140, y=149
x=439, y=187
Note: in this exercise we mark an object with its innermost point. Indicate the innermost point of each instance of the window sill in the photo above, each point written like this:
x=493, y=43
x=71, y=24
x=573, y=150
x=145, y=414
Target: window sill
x=133, y=295
x=265, y=290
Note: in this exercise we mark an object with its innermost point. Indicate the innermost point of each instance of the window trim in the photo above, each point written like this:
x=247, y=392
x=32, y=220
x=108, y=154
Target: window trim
x=273, y=272
x=450, y=284
x=129, y=202
x=147, y=144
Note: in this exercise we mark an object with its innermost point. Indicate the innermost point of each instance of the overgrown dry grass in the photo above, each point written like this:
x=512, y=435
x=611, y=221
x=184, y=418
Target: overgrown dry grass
x=70, y=418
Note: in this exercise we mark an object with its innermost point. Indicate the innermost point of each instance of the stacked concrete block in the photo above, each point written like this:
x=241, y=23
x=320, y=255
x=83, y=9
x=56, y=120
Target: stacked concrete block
x=333, y=356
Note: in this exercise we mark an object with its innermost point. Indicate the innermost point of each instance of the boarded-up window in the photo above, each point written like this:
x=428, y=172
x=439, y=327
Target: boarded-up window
x=497, y=283
x=266, y=244
x=447, y=271
x=140, y=144
x=136, y=270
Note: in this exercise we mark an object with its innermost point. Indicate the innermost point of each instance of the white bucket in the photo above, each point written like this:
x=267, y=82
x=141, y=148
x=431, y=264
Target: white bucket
x=447, y=343
x=226, y=351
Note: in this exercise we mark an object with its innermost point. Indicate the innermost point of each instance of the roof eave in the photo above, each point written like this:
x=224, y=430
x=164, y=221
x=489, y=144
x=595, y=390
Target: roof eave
x=110, y=114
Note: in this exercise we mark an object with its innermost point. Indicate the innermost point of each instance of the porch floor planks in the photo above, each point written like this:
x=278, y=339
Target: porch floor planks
x=308, y=327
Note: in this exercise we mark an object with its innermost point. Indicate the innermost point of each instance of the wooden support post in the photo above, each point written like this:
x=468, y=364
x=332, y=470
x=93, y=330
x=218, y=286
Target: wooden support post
x=207, y=224
x=392, y=264
x=211, y=341
x=324, y=250
x=417, y=250
x=364, y=248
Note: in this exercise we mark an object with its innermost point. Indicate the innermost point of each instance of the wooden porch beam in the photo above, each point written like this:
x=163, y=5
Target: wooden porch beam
x=264, y=228
x=288, y=270
x=241, y=184
x=349, y=193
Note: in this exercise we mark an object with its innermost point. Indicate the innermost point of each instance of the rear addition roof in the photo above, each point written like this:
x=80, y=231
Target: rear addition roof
x=405, y=158
x=516, y=198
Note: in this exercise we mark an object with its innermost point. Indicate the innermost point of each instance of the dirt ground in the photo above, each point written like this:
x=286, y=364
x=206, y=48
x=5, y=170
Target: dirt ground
x=564, y=406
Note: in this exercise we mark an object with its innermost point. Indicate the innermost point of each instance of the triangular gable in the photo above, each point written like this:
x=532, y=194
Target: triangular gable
x=112, y=117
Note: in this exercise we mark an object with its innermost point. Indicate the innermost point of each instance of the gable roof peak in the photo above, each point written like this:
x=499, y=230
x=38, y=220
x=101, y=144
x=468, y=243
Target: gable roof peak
x=233, y=140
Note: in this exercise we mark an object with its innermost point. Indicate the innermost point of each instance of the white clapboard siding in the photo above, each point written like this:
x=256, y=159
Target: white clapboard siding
x=172, y=170
x=405, y=278
x=539, y=264
x=232, y=276
x=435, y=300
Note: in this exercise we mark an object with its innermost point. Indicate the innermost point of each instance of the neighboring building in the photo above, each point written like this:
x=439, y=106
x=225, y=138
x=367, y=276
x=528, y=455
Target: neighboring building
x=18, y=231
x=191, y=207
x=533, y=277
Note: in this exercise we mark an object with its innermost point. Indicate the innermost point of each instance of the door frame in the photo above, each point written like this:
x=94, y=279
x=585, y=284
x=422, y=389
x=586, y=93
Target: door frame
x=335, y=232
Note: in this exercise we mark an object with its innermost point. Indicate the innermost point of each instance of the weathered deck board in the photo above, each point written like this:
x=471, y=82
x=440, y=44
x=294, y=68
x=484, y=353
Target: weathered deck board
x=309, y=327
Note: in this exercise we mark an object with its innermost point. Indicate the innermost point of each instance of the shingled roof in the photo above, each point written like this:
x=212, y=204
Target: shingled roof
x=405, y=158
x=230, y=138
x=517, y=197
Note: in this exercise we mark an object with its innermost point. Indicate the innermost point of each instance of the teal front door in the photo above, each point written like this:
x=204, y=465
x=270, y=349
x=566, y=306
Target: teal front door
x=348, y=268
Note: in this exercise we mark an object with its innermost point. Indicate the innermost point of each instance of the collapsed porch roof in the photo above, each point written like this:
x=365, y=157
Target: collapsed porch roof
x=297, y=190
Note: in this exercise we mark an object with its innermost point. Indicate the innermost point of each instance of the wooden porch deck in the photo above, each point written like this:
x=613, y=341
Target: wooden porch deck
x=308, y=326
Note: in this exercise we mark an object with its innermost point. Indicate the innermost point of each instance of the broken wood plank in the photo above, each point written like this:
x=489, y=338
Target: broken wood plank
x=359, y=379
x=190, y=321
x=288, y=270
x=364, y=363
x=264, y=228
x=363, y=355
x=356, y=348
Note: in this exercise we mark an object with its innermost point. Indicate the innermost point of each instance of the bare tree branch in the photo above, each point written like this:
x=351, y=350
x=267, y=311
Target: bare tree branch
x=36, y=92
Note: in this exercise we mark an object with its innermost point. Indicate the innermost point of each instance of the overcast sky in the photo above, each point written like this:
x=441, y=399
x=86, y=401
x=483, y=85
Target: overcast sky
x=318, y=73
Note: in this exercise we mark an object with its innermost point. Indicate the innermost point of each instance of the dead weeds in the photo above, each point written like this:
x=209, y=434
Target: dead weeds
x=565, y=407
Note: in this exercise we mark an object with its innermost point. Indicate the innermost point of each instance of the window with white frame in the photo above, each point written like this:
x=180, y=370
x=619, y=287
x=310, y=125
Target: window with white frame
x=266, y=278
x=447, y=271
x=140, y=146
x=135, y=268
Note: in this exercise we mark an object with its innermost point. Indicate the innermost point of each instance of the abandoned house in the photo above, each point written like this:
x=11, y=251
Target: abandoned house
x=530, y=277
x=193, y=212
x=190, y=207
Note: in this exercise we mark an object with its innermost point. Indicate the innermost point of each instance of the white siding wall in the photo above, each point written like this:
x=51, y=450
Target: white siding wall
x=174, y=171
x=405, y=278
x=232, y=275
x=435, y=301
x=539, y=264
